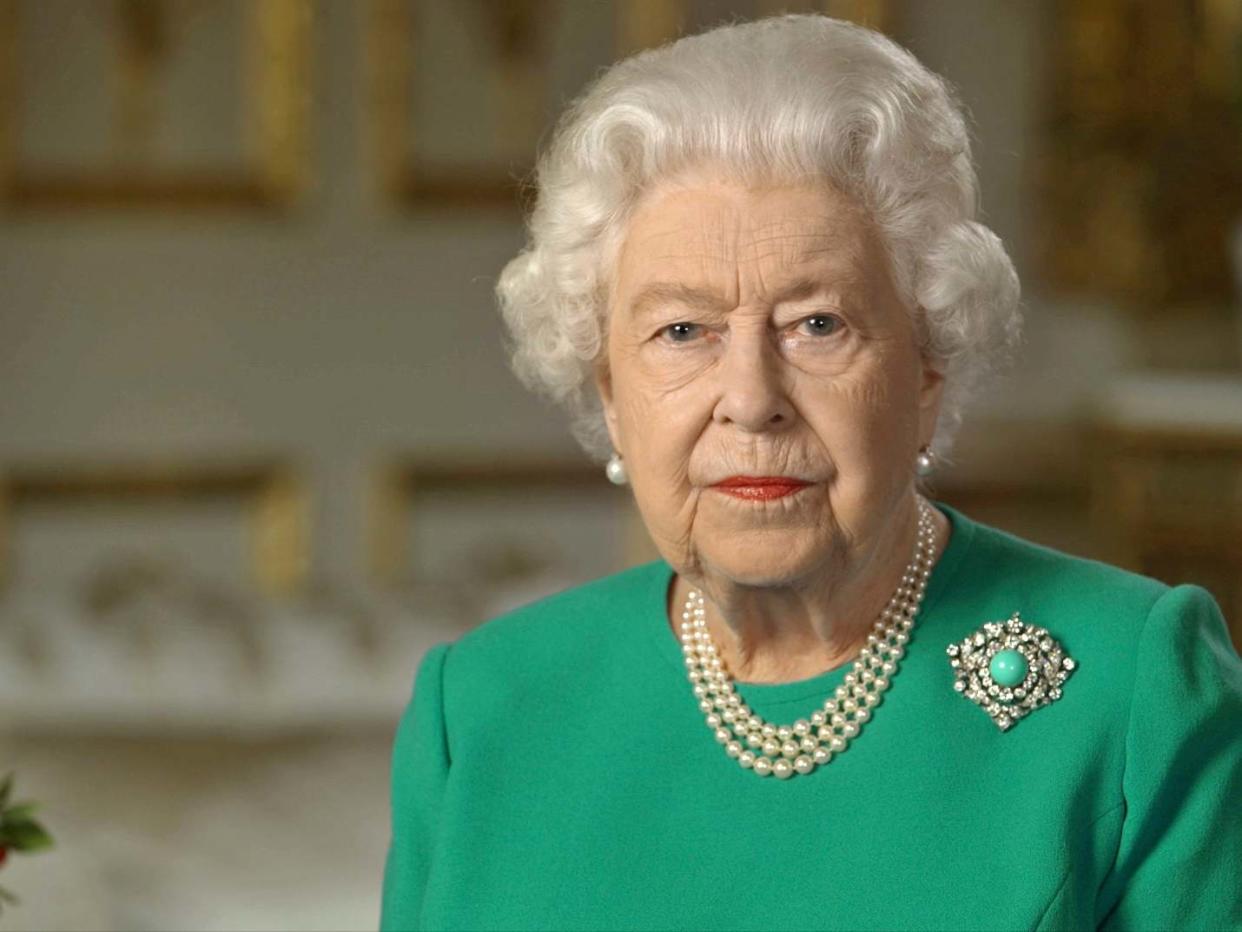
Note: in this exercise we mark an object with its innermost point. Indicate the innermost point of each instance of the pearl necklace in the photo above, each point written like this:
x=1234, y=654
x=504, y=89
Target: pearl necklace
x=783, y=750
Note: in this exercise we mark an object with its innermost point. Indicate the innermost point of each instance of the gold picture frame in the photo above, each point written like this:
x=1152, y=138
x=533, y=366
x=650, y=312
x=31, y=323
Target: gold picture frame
x=399, y=484
x=274, y=52
x=276, y=497
x=520, y=74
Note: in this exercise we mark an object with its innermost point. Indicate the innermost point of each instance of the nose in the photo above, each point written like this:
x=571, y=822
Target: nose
x=752, y=390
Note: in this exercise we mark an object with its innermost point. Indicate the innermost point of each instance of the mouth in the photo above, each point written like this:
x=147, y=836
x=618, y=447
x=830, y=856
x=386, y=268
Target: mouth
x=760, y=488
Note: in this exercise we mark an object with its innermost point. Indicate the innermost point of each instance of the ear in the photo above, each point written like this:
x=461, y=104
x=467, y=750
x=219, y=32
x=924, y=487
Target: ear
x=603, y=385
x=931, y=392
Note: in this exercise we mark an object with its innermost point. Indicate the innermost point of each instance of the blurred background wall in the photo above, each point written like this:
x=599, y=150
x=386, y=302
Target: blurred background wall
x=259, y=447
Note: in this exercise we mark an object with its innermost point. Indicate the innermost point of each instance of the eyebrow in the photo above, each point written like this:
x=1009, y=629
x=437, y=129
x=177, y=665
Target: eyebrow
x=657, y=293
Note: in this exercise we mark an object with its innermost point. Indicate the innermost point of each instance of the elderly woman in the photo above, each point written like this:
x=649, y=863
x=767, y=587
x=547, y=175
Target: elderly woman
x=755, y=278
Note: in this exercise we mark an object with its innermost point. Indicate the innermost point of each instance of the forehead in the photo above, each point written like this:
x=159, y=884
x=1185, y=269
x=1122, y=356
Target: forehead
x=696, y=229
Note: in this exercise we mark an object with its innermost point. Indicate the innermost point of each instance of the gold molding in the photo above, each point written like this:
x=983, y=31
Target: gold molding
x=281, y=62
x=277, y=62
x=389, y=56
x=278, y=500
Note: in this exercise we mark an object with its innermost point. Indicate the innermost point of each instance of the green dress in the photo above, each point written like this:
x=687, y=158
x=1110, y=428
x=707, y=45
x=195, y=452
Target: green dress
x=553, y=771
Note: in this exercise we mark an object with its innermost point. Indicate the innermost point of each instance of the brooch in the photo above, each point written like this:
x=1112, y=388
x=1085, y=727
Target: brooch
x=1009, y=669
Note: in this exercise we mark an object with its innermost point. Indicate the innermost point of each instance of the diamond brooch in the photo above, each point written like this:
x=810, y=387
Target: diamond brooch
x=1009, y=669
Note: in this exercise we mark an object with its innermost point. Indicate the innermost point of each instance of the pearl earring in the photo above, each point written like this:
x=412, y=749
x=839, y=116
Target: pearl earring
x=925, y=462
x=616, y=470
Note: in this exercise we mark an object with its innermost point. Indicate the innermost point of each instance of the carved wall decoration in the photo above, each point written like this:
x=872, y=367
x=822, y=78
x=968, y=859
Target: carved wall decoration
x=272, y=498
x=1141, y=182
x=151, y=627
x=131, y=103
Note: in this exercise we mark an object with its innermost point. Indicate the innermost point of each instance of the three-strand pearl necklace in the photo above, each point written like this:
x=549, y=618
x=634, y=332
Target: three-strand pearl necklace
x=783, y=750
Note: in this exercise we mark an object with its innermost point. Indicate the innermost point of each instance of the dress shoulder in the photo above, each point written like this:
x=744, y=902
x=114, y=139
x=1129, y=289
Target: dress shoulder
x=1007, y=551
x=1179, y=860
x=554, y=643
x=1096, y=600
x=565, y=614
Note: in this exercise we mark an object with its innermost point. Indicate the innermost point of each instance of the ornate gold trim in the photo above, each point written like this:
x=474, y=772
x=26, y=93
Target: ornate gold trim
x=1138, y=182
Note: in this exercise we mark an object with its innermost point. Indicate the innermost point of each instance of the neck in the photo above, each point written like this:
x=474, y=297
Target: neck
x=783, y=634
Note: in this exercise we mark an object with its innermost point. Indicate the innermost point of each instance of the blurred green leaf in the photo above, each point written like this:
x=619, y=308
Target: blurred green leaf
x=20, y=812
x=5, y=789
x=25, y=835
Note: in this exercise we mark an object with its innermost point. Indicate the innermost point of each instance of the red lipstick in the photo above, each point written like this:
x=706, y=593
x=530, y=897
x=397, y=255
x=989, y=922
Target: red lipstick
x=762, y=488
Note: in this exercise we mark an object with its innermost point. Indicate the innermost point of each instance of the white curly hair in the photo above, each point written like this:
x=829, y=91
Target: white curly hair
x=787, y=97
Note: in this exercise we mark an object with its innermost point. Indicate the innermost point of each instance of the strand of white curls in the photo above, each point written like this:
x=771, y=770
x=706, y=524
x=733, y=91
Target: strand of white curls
x=788, y=97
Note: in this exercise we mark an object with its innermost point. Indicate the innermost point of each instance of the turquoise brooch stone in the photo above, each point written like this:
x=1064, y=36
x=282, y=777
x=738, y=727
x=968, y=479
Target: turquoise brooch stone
x=1009, y=669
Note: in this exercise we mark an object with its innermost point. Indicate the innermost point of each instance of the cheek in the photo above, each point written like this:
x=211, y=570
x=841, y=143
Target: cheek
x=662, y=439
x=670, y=375
x=662, y=414
x=662, y=431
x=663, y=444
x=864, y=416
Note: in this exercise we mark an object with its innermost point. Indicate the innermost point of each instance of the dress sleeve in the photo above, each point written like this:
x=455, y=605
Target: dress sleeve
x=420, y=764
x=1179, y=859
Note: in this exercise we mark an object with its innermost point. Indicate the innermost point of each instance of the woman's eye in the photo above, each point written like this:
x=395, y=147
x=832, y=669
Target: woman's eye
x=822, y=324
x=681, y=332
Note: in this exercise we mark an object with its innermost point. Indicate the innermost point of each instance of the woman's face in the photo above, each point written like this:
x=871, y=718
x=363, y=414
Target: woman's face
x=756, y=332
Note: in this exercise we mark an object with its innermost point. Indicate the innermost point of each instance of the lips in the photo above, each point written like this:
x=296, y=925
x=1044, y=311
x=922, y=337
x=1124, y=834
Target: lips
x=760, y=487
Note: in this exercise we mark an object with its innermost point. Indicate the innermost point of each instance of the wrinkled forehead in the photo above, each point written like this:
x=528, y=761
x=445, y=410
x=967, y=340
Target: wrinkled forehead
x=696, y=231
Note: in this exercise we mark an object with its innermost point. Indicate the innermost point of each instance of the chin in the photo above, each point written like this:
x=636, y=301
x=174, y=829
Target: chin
x=764, y=562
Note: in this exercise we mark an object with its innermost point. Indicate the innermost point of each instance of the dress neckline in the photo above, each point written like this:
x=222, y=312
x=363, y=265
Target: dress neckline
x=961, y=533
